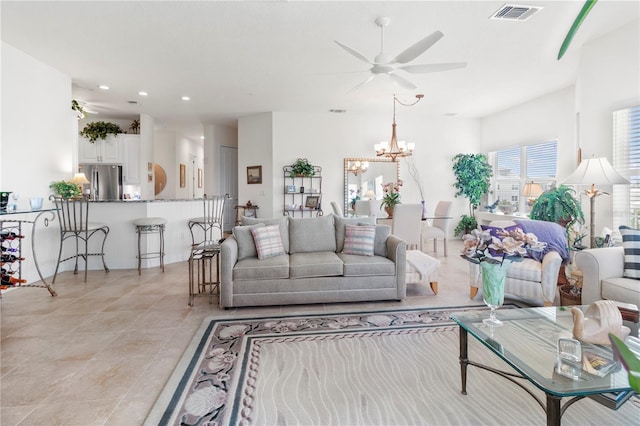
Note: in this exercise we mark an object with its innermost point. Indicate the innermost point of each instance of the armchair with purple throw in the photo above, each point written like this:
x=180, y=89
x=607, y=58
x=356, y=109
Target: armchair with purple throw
x=535, y=278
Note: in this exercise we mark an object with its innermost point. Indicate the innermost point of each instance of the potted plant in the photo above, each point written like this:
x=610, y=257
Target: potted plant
x=466, y=225
x=302, y=167
x=100, y=129
x=78, y=109
x=66, y=189
x=473, y=177
x=391, y=196
x=135, y=126
x=558, y=205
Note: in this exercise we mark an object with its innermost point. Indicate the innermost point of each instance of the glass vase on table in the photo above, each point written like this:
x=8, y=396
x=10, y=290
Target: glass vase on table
x=494, y=275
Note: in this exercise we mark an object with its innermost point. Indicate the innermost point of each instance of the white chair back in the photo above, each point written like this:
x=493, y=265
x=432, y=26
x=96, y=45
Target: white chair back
x=336, y=209
x=442, y=216
x=407, y=223
x=361, y=208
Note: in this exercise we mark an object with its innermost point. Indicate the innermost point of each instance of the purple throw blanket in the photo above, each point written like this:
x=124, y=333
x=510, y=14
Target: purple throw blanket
x=551, y=233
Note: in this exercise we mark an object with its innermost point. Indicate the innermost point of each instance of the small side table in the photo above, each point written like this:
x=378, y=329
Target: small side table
x=201, y=274
x=249, y=211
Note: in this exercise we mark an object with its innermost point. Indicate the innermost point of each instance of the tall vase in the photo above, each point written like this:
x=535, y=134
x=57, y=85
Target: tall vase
x=389, y=211
x=424, y=209
x=493, y=278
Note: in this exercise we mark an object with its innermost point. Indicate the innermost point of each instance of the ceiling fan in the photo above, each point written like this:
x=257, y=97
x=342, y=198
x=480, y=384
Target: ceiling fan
x=384, y=64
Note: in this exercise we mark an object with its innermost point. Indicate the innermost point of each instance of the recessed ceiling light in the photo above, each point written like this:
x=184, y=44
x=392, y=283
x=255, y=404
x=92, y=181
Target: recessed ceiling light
x=186, y=98
x=142, y=93
x=104, y=87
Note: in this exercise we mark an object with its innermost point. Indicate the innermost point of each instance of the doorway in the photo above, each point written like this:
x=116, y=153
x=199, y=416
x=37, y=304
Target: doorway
x=228, y=179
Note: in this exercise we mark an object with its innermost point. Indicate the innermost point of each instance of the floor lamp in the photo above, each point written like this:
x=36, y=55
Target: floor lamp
x=594, y=171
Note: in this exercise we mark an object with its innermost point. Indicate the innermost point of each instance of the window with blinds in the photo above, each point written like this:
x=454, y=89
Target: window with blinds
x=626, y=160
x=513, y=167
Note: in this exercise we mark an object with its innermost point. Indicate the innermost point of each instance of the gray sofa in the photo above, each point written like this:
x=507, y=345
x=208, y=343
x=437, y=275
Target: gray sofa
x=313, y=268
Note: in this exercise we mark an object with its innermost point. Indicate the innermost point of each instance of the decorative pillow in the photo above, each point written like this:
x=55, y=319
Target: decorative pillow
x=493, y=230
x=631, y=246
x=244, y=238
x=283, y=222
x=359, y=239
x=268, y=241
x=342, y=221
x=549, y=232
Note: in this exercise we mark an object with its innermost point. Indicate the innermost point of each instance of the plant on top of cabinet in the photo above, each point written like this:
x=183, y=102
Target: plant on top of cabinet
x=302, y=167
x=66, y=189
x=78, y=108
x=135, y=126
x=99, y=129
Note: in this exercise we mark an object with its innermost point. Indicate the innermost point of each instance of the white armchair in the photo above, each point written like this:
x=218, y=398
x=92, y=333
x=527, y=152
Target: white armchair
x=603, y=276
x=529, y=279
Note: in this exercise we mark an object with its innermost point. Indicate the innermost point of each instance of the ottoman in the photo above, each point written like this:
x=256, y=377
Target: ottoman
x=422, y=269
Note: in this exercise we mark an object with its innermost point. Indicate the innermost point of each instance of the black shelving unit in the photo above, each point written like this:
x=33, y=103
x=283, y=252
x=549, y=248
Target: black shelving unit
x=298, y=189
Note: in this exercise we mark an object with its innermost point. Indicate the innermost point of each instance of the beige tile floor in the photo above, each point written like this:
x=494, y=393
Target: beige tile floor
x=100, y=352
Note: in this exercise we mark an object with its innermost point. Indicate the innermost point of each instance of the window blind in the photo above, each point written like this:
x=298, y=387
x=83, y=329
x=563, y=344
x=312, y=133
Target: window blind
x=626, y=160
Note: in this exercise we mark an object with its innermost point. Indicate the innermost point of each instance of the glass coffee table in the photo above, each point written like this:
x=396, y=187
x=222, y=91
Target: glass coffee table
x=528, y=342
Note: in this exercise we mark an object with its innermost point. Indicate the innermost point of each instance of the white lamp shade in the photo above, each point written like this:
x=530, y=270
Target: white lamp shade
x=595, y=171
x=532, y=189
x=79, y=179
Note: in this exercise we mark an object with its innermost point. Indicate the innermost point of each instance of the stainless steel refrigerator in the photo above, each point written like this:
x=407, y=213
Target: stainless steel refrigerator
x=105, y=181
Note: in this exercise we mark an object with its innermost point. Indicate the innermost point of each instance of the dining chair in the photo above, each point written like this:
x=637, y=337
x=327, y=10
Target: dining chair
x=73, y=216
x=213, y=209
x=407, y=223
x=336, y=209
x=361, y=208
x=440, y=225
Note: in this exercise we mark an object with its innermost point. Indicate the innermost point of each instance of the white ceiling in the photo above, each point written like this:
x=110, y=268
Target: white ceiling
x=241, y=58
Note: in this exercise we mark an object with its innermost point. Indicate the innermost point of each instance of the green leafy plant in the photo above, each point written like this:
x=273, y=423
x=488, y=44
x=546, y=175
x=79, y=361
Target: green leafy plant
x=78, y=108
x=630, y=362
x=466, y=224
x=66, y=189
x=302, y=167
x=558, y=205
x=100, y=129
x=391, y=195
x=135, y=126
x=473, y=178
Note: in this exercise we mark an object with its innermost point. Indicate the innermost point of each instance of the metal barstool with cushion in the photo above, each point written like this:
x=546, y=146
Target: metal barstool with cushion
x=73, y=215
x=212, y=218
x=150, y=225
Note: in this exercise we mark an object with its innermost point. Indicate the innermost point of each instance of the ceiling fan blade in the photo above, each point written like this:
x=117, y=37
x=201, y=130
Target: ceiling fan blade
x=418, y=49
x=354, y=52
x=362, y=84
x=426, y=68
x=402, y=82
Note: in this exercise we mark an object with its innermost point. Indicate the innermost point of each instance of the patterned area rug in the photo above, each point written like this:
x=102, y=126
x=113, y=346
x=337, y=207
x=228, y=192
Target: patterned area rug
x=397, y=367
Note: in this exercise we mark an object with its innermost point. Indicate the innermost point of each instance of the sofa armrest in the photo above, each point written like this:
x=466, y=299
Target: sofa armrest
x=596, y=265
x=397, y=252
x=551, y=264
x=228, y=259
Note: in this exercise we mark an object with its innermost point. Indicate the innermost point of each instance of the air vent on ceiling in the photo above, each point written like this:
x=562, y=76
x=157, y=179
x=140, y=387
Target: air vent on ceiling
x=513, y=12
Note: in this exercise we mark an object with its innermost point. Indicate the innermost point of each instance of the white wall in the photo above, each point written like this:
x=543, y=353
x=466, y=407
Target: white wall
x=37, y=126
x=215, y=136
x=326, y=139
x=255, y=148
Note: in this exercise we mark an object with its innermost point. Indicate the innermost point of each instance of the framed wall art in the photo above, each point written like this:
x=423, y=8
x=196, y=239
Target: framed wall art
x=312, y=202
x=254, y=174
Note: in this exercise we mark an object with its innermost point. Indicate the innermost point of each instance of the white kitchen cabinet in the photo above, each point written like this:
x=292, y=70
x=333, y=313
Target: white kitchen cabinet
x=130, y=159
x=101, y=151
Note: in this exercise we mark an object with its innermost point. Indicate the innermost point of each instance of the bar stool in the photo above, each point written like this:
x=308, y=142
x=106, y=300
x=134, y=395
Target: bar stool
x=212, y=218
x=150, y=225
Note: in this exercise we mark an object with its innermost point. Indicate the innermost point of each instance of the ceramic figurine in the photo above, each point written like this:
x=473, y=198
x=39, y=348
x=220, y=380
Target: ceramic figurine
x=595, y=324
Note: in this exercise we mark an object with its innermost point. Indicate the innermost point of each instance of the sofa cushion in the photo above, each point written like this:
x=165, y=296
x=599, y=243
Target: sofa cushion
x=340, y=223
x=253, y=268
x=359, y=239
x=380, y=242
x=361, y=266
x=282, y=222
x=316, y=264
x=631, y=246
x=526, y=270
x=268, y=241
x=246, y=243
x=622, y=289
x=549, y=232
x=311, y=234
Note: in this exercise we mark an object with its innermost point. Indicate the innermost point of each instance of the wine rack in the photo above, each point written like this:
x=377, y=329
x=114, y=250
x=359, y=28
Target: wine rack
x=11, y=257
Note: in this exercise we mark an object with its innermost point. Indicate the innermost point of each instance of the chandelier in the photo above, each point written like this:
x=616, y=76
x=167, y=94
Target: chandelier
x=357, y=167
x=395, y=148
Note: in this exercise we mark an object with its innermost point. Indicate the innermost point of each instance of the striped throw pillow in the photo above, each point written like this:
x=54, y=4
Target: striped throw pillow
x=631, y=245
x=359, y=240
x=268, y=241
